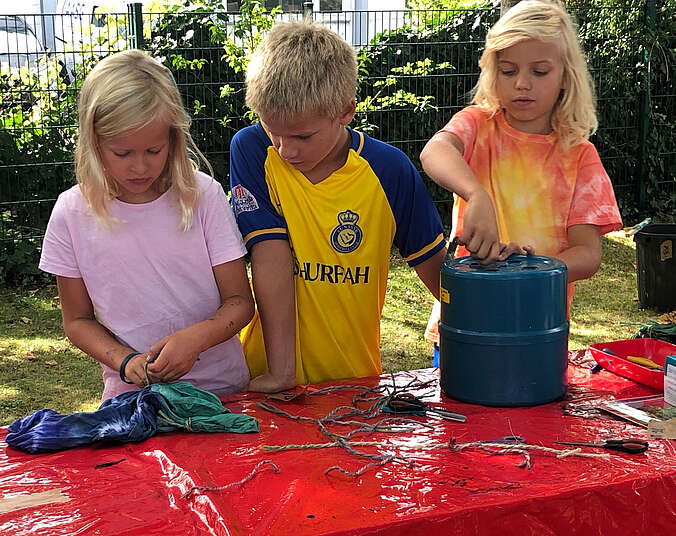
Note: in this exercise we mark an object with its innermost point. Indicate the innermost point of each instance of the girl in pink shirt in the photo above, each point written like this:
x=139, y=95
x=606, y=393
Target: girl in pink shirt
x=518, y=160
x=147, y=256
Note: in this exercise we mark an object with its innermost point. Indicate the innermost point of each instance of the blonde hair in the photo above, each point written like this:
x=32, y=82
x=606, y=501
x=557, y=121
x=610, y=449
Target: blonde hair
x=574, y=114
x=125, y=92
x=301, y=67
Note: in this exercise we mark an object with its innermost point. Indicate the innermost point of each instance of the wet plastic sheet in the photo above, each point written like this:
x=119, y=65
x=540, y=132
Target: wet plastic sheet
x=442, y=492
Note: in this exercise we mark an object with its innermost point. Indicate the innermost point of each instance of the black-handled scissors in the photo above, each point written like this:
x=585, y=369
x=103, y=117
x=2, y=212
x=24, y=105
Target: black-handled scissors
x=407, y=403
x=632, y=446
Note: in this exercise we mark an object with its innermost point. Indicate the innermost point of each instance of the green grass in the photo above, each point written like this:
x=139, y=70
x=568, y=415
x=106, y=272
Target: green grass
x=39, y=368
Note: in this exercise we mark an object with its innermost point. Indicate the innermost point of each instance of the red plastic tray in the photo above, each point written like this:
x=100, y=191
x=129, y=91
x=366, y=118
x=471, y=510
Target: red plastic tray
x=654, y=349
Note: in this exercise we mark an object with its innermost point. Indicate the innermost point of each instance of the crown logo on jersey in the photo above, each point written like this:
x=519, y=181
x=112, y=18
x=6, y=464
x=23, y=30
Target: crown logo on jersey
x=348, y=217
x=347, y=235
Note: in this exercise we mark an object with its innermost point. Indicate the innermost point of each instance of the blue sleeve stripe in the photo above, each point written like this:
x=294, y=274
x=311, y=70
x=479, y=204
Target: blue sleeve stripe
x=426, y=252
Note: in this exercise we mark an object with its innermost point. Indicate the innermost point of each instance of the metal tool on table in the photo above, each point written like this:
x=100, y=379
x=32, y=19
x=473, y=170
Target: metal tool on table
x=630, y=445
x=515, y=439
x=598, y=367
x=408, y=404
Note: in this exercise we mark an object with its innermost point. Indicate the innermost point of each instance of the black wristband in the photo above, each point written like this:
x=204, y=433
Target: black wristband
x=123, y=365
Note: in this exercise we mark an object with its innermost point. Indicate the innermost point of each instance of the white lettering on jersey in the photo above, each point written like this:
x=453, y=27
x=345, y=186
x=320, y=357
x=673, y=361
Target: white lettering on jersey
x=243, y=200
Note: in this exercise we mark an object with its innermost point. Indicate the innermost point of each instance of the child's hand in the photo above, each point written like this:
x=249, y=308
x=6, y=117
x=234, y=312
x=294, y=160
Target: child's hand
x=135, y=370
x=480, y=229
x=173, y=357
x=509, y=249
x=267, y=383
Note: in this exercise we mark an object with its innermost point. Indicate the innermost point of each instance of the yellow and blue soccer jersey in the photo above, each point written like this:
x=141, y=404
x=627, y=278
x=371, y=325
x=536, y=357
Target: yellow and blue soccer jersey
x=341, y=231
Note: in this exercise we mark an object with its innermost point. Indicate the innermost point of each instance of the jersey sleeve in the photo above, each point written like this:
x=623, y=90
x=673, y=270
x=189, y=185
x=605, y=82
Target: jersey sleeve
x=419, y=232
x=593, y=199
x=223, y=239
x=58, y=255
x=254, y=209
x=464, y=125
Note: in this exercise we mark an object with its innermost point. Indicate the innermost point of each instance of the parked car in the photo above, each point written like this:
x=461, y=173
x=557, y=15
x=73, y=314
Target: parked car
x=19, y=45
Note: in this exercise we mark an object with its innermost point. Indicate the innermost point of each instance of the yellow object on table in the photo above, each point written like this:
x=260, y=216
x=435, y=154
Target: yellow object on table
x=645, y=362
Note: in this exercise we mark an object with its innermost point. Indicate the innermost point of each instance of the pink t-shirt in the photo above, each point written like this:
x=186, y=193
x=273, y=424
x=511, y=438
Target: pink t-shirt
x=538, y=190
x=147, y=278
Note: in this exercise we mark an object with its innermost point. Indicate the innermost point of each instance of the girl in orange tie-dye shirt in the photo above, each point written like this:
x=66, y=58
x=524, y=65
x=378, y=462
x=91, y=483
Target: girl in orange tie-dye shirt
x=518, y=160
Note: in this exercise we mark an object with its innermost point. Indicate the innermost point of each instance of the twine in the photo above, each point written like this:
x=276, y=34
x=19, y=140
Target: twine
x=489, y=446
x=522, y=448
x=362, y=469
x=145, y=369
x=307, y=446
x=342, y=415
x=187, y=495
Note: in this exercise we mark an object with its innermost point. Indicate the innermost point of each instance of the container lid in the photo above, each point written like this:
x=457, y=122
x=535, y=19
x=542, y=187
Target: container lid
x=665, y=230
x=515, y=266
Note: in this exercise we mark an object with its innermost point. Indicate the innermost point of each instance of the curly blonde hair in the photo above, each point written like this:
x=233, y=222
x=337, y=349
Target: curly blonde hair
x=124, y=92
x=574, y=114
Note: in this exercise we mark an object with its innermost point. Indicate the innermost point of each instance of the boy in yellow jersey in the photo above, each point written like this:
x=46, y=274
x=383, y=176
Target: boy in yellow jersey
x=319, y=206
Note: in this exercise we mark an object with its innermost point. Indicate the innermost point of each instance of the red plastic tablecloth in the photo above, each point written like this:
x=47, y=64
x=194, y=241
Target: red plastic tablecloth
x=441, y=492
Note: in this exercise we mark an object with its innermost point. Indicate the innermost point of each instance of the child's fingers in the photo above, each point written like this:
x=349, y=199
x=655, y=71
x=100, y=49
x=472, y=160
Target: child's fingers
x=156, y=348
x=488, y=252
x=134, y=371
x=160, y=366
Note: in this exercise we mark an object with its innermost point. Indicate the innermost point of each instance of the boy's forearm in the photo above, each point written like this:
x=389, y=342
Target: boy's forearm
x=272, y=274
x=443, y=162
x=429, y=272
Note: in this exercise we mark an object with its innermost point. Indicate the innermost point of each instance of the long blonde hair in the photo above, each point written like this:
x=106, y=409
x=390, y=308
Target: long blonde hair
x=574, y=114
x=301, y=67
x=125, y=92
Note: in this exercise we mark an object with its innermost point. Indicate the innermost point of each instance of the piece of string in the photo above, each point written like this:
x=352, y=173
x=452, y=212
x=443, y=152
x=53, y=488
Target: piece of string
x=508, y=448
x=145, y=368
x=188, y=494
x=376, y=398
x=186, y=424
x=307, y=446
x=521, y=448
x=362, y=469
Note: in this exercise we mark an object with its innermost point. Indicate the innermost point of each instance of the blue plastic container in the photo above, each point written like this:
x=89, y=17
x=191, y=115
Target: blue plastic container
x=503, y=335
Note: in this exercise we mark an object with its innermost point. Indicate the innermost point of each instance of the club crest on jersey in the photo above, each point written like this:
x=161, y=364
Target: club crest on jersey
x=347, y=235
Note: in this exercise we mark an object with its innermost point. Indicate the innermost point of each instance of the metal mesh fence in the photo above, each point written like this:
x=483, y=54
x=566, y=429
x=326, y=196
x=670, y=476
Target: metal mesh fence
x=418, y=68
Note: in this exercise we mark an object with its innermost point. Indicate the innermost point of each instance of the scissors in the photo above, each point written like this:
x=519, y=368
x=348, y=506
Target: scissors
x=452, y=247
x=631, y=445
x=407, y=403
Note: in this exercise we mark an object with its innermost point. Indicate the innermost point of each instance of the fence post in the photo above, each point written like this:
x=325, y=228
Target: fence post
x=307, y=10
x=644, y=105
x=135, y=25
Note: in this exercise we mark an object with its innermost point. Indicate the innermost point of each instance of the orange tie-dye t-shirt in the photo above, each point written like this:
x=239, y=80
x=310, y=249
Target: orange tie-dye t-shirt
x=537, y=189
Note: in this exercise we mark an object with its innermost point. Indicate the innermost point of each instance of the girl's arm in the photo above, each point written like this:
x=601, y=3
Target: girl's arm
x=272, y=274
x=176, y=354
x=583, y=256
x=85, y=332
x=443, y=162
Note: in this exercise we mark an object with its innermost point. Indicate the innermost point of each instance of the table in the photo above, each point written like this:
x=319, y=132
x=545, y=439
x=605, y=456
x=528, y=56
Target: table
x=432, y=491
